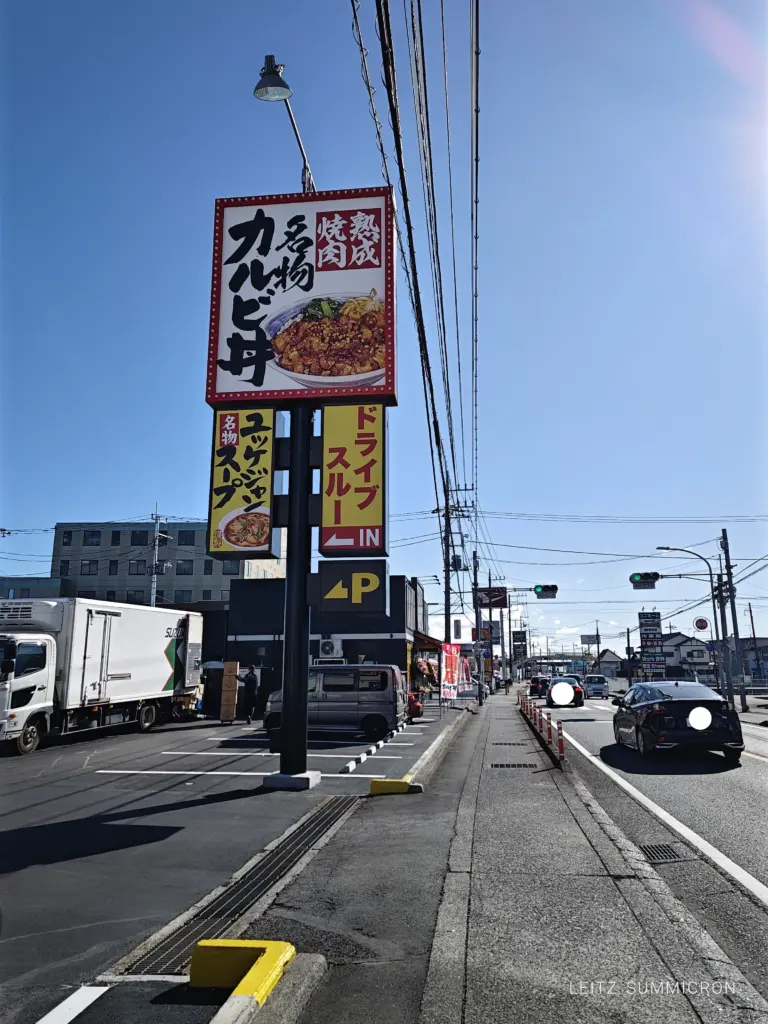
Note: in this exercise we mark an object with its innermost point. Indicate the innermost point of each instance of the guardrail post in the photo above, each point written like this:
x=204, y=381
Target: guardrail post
x=560, y=741
x=549, y=727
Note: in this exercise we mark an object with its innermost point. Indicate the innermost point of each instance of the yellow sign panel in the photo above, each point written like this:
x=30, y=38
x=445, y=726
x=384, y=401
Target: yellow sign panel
x=354, y=478
x=240, y=509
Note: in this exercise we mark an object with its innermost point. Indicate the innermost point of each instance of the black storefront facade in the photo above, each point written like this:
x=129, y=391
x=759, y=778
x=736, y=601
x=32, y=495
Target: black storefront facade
x=255, y=628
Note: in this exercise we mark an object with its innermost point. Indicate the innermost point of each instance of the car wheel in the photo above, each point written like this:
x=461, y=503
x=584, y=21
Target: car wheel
x=642, y=747
x=375, y=729
x=616, y=733
x=732, y=756
x=272, y=724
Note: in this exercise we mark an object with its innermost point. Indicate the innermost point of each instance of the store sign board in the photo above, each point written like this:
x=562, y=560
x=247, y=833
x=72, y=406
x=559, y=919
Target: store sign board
x=240, y=499
x=303, y=298
x=354, y=586
x=354, y=505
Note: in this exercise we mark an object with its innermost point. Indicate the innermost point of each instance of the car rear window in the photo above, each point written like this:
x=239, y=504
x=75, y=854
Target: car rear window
x=689, y=691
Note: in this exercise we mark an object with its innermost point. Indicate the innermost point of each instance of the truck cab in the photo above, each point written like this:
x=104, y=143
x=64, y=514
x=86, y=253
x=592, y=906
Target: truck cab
x=27, y=685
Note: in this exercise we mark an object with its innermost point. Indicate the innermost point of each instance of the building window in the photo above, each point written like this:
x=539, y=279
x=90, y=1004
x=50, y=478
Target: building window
x=208, y=567
x=91, y=538
x=225, y=595
x=113, y=567
x=115, y=538
x=66, y=538
x=183, y=597
x=185, y=567
x=186, y=538
x=206, y=595
x=159, y=595
x=139, y=538
x=24, y=592
x=87, y=593
x=137, y=567
x=230, y=566
x=89, y=567
x=64, y=567
x=135, y=597
x=111, y=595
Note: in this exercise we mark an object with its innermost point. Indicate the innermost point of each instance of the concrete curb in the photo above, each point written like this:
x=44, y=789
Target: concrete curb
x=288, y=999
x=368, y=752
x=423, y=768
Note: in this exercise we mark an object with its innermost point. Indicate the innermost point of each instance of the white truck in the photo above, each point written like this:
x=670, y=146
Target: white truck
x=69, y=664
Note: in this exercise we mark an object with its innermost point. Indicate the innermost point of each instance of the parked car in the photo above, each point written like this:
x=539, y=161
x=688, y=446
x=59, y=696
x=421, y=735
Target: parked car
x=577, y=699
x=596, y=686
x=368, y=699
x=415, y=707
x=663, y=716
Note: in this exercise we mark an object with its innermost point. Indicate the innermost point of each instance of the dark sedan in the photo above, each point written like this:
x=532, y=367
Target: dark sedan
x=662, y=716
x=538, y=686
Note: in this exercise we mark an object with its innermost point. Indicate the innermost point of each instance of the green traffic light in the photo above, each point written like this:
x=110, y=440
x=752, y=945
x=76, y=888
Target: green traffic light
x=637, y=576
x=538, y=588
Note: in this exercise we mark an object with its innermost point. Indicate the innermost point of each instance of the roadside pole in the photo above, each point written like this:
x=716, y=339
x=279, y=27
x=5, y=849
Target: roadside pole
x=503, y=646
x=724, y=628
x=446, y=595
x=734, y=618
x=597, y=634
x=478, y=657
x=758, y=669
x=155, y=557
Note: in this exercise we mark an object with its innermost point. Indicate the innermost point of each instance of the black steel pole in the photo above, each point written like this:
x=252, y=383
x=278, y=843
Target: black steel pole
x=293, y=731
x=758, y=667
x=478, y=639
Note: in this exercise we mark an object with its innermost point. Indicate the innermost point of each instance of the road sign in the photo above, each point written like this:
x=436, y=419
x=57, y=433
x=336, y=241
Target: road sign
x=590, y=638
x=518, y=636
x=457, y=629
x=354, y=516
x=355, y=586
x=492, y=597
x=701, y=623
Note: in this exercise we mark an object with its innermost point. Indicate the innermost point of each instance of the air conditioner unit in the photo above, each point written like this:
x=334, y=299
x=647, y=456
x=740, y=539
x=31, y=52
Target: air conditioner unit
x=331, y=649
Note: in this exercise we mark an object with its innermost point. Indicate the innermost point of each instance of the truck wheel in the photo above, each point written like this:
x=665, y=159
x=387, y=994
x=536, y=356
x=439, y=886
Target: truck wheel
x=30, y=737
x=146, y=717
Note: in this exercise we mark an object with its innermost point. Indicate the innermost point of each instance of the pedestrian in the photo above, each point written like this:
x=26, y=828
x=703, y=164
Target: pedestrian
x=506, y=686
x=250, y=685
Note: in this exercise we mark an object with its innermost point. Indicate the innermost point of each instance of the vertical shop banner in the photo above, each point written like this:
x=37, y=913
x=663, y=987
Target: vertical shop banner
x=449, y=686
x=651, y=643
x=240, y=505
x=303, y=298
x=354, y=504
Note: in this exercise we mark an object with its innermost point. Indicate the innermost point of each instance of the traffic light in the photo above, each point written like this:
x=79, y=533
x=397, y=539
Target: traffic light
x=542, y=590
x=644, y=580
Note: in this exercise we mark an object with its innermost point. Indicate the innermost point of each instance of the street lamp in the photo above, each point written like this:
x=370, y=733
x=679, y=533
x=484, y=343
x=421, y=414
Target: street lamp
x=273, y=88
x=688, y=551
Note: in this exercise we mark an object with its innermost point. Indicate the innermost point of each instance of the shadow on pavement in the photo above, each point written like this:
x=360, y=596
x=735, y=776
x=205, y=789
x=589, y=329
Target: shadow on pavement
x=184, y=995
x=60, y=841
x=665, y=762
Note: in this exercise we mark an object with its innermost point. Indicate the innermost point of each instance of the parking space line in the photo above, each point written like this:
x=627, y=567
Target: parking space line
x=74, y=1004
x=165, y=771
x=261, y=753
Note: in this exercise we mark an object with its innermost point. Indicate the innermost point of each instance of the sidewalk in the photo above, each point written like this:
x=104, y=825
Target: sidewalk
x=503, y=893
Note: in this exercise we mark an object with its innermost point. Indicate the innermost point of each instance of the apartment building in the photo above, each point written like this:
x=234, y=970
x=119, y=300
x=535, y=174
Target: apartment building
x=113, y=562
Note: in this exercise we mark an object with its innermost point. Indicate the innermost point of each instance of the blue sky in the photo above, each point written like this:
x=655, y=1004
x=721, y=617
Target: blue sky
x=622, y=263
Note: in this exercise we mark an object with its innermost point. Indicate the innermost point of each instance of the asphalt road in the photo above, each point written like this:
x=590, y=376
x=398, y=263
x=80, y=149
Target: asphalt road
x=699, y=790
x=107, y=838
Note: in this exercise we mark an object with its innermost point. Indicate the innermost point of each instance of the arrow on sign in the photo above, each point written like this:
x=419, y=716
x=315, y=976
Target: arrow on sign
x=339, y=542
x=338, y=592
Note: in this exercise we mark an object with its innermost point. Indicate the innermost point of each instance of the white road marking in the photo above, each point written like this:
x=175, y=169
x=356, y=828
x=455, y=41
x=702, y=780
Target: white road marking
x=264, y=753
x=137, y=771
x=725, y=863
x=74, y=1005
x=759, y=757
x=759, y=730
x=394, y=744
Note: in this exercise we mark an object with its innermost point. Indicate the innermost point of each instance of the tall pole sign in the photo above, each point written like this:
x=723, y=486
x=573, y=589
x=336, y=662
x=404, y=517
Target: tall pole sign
x=651, y=643
x=302, y=312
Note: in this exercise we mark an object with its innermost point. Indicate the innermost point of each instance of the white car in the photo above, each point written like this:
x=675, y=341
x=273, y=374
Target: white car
x=596, y=686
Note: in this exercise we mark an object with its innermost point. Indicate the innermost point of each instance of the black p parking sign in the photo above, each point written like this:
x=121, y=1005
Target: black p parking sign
x=354, y=586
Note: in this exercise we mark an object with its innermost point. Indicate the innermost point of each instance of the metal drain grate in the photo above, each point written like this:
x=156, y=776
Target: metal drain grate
x=517, y=765
x=659, y=853
x=173, y=954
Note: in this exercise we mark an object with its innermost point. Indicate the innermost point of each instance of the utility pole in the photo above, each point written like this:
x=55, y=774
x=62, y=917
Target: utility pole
x=478, y=657
x=597, y=634
x=629, y=667
x=758, y=668
x=503, y=646
x=724, y=628
x=734, y=618
x=446, y=596
x=156, y=558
